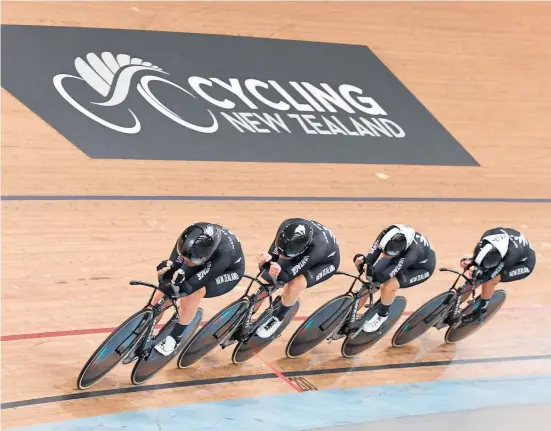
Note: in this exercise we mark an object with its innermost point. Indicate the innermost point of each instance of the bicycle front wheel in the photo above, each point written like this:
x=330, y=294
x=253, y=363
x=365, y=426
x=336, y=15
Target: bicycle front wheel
x=114, y=348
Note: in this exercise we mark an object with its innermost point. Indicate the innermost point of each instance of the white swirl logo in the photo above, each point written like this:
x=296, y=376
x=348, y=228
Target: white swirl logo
x=111, y=77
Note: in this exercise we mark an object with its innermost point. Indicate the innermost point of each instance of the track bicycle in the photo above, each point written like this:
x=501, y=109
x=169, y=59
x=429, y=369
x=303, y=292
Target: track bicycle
x=338, y=319
x=135, y=339
x=235, y=324
x=444, y=310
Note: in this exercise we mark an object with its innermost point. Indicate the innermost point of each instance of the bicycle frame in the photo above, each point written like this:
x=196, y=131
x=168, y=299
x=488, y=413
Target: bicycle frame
x=158, y=309
x=460, y=291
x=253, y=300
x=366, y=289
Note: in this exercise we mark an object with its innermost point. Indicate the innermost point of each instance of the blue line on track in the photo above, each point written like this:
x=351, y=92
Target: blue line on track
x=320, y=409
x=244, y=378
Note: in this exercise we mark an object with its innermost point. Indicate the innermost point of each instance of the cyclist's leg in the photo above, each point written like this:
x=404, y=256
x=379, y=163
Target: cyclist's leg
x=260, y=299
x=509, y=274
x=487, y=290
x=418, y=274
x=388, y=294
x=187, y=307
x=292, y=290
x=267, y=279
x=219, y=286
x=157, y=297
x=226, y=282
x=315, y=275
x=290, y=293
x=520, y=271
x=189, y=304
x=364, y=298
x=389, y=289
x=406, y=277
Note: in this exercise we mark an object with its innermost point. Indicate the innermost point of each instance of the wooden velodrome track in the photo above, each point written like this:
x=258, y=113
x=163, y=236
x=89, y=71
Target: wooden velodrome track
x=481, y=68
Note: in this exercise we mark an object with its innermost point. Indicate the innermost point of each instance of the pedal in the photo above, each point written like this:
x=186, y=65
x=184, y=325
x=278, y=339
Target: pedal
x=129, y=359
x=132, y=355
x=337, y=332
x=355, y=330
x=477, y=321
x=441, y=324
x=336, y=336
x=228, y=342
x=358, y=332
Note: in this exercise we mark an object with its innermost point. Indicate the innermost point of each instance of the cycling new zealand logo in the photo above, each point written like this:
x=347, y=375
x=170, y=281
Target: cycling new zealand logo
x=112, y=77
x=174, y=96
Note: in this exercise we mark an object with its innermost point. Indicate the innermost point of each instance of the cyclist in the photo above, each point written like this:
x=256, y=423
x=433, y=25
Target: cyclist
x=399, y=258
x=207, y=261
x=502, y=255
x=304, y=253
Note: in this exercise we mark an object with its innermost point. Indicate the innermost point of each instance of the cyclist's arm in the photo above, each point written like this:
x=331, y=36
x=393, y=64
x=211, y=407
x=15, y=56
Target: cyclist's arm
x=374, y=253
x=513, y=259
x=386, y=268
x=489, y=274
x=209, y=273
x=272, y=252
x=176, y=264
x=314, y=254
x=174, y=256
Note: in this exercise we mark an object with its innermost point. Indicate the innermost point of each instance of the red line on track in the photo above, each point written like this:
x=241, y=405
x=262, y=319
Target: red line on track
x=55, y=334
x=279, y=374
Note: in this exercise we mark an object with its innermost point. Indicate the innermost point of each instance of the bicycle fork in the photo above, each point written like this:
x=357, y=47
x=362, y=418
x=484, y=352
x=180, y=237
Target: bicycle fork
x=447, y=319
x=228, y=338
x=138, y=349
x=337, y=334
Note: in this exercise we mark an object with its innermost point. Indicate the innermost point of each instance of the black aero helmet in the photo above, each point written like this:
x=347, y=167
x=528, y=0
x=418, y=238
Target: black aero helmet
x=199, y=242
x=394, y=242
x=487, y=255
x=294, y=238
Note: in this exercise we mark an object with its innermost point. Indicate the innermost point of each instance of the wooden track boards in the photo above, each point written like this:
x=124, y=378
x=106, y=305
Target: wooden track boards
x=481, y=68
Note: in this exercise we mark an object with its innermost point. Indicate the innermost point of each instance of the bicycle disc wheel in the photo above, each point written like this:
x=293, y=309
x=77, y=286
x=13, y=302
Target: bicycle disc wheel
x=455, y=334
x=213, y=333
x=149, y=365
x=319, y=325
x=114, y=348
x=245, y=350
x=353, y=345
x=423, y=319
